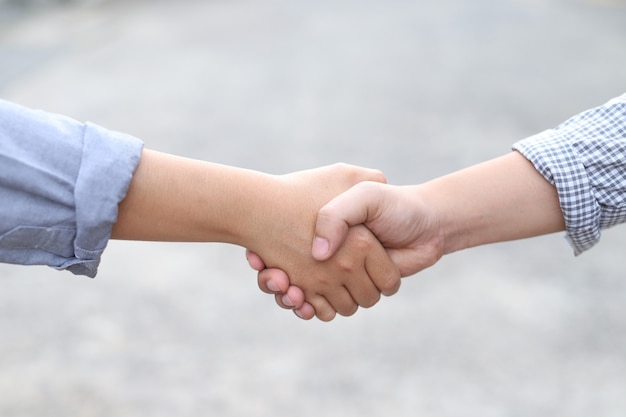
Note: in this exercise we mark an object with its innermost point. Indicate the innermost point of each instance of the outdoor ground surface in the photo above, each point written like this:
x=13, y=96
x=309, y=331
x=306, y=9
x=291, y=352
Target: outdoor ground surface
x=417, y=88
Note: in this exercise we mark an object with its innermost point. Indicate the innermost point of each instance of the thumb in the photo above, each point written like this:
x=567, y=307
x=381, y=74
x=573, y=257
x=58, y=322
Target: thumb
x=350, y=208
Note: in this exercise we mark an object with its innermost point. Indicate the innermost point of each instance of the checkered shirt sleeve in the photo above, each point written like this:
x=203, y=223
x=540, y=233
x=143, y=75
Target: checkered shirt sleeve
x=585, y=159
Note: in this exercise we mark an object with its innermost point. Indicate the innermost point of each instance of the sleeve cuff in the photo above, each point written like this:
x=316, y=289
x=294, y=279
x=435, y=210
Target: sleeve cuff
x=108, y=164
x=554, y=157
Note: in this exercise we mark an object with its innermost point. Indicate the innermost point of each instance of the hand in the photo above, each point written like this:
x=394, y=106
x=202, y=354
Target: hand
x=275, y=281
x=356, y=275
x=400, y=218
x=498, y=200
x=503, y=199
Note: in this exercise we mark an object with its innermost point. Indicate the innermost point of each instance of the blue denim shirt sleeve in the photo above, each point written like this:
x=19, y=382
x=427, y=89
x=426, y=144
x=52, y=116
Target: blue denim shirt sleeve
x=60, y=185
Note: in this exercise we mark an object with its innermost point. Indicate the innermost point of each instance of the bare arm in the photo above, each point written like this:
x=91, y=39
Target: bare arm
x=572, y=184
x=498, y=200
x=177, y=199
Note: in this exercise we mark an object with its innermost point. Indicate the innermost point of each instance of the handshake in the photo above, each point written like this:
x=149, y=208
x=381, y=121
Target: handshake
x=365, y=239
x=329, y=240
x=324, y=241
x=355, y=247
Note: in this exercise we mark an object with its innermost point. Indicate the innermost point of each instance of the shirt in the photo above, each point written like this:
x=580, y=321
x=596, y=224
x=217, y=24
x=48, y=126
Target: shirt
x=60, y=185
x=585, y=159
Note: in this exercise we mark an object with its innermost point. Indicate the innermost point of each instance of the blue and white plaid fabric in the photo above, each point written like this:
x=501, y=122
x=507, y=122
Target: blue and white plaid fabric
x=585, y=159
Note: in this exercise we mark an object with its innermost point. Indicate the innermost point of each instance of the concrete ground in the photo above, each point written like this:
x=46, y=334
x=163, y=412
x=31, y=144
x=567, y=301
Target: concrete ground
x=415, y=88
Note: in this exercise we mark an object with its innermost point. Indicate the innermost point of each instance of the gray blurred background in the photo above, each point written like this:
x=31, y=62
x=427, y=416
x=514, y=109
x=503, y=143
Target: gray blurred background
x=417, y=88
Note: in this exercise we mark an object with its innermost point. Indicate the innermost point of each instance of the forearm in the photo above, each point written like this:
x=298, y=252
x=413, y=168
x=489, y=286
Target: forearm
x=178, y=199
x=498, y=200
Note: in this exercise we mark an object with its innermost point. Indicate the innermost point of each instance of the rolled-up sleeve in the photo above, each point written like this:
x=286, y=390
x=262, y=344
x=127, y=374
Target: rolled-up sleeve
x=585, y=159
x=60, y=185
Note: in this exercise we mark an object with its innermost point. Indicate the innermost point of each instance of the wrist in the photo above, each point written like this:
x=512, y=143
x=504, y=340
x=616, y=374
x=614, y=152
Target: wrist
x=275, y=219
x=247, y=205
x=499, y=200
x=449, y=230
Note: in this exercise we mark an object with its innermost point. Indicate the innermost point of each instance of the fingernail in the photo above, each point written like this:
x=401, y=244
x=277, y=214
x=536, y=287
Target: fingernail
x=271, y=285
x=321, y=247
x=287, y=301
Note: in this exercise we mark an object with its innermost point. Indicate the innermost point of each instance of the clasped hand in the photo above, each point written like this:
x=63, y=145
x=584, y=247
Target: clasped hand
x=397, y=216
x=498, y=200
x=356, y=274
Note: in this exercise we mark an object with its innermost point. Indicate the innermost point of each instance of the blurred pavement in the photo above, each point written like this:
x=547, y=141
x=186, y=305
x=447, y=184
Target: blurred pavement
x=415, y=88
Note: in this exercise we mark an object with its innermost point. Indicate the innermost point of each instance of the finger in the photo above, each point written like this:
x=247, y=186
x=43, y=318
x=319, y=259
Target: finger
x=367, y=174
x=341, y=301
x=292, y=299
x=324, y=311
x=306, y=312
x=360, y=285
x=295, y=296
x=272, y=281
x=378, y=176
x=383, y=272
x=364, y=292
x=355, y=206
x=254, y=260
x=380, y=270
x=283, y=301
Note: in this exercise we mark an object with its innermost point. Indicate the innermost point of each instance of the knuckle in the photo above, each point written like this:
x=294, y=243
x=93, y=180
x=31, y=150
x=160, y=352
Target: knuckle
x=325, y=214
x=391, y=285
x=371, y=300
x=379, y=176
x=349, y=259
x=349, y=311
x=346, y=264
x=361, y=238
x=341, y=166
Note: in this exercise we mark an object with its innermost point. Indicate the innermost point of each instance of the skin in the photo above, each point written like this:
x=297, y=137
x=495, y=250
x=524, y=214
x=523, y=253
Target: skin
x=499, y=200
x=178, y=199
